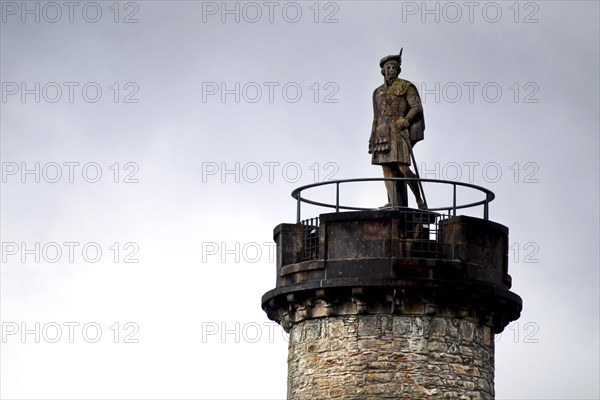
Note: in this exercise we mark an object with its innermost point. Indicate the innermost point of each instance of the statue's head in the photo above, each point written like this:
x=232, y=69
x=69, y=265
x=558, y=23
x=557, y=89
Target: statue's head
x=390, y=66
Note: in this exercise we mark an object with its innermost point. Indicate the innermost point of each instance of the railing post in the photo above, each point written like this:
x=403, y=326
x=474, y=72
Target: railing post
x=486, y=208
x=393, y=193
x=454, y=200
x=337, y=197
x=298, y=209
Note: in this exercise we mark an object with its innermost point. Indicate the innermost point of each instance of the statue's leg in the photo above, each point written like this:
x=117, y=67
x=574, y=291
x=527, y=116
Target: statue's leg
x=388, y=172
x=396, y=191
x=401, y=188
x=414, y=186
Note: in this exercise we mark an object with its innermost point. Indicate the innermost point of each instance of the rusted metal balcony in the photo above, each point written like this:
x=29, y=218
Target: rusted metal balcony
x=393, y=259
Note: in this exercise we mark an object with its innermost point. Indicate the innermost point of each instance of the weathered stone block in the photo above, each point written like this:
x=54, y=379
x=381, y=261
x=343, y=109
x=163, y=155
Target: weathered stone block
x=437, y=327
x=466, y=330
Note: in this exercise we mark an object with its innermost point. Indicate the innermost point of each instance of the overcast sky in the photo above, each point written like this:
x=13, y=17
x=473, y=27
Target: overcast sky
x=149, y=148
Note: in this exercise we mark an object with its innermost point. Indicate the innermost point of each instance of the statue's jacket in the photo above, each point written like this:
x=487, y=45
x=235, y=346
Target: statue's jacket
x=389, y=143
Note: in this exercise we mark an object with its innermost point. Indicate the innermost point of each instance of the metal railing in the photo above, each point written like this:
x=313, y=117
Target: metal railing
x=451, y=209
x=310, y=238
x=419, y=233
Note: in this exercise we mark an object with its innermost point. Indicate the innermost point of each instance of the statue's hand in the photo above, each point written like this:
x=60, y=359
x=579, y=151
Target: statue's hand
x=402, y=123
x=370, y=147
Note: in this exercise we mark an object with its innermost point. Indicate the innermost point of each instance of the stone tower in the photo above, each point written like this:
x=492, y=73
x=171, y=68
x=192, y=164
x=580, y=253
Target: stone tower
x=392, y=304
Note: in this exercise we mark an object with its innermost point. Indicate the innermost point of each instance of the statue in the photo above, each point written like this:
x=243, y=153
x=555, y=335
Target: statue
x=398, y=125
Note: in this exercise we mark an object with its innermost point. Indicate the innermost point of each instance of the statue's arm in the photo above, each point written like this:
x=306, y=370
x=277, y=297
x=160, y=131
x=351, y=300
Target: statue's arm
x=414, y=102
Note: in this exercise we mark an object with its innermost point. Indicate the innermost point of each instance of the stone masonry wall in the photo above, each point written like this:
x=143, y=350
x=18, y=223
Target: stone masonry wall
x=389, y=356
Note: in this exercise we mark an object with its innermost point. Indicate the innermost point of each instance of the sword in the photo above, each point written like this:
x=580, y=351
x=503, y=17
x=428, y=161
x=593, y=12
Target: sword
x=414, y=160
